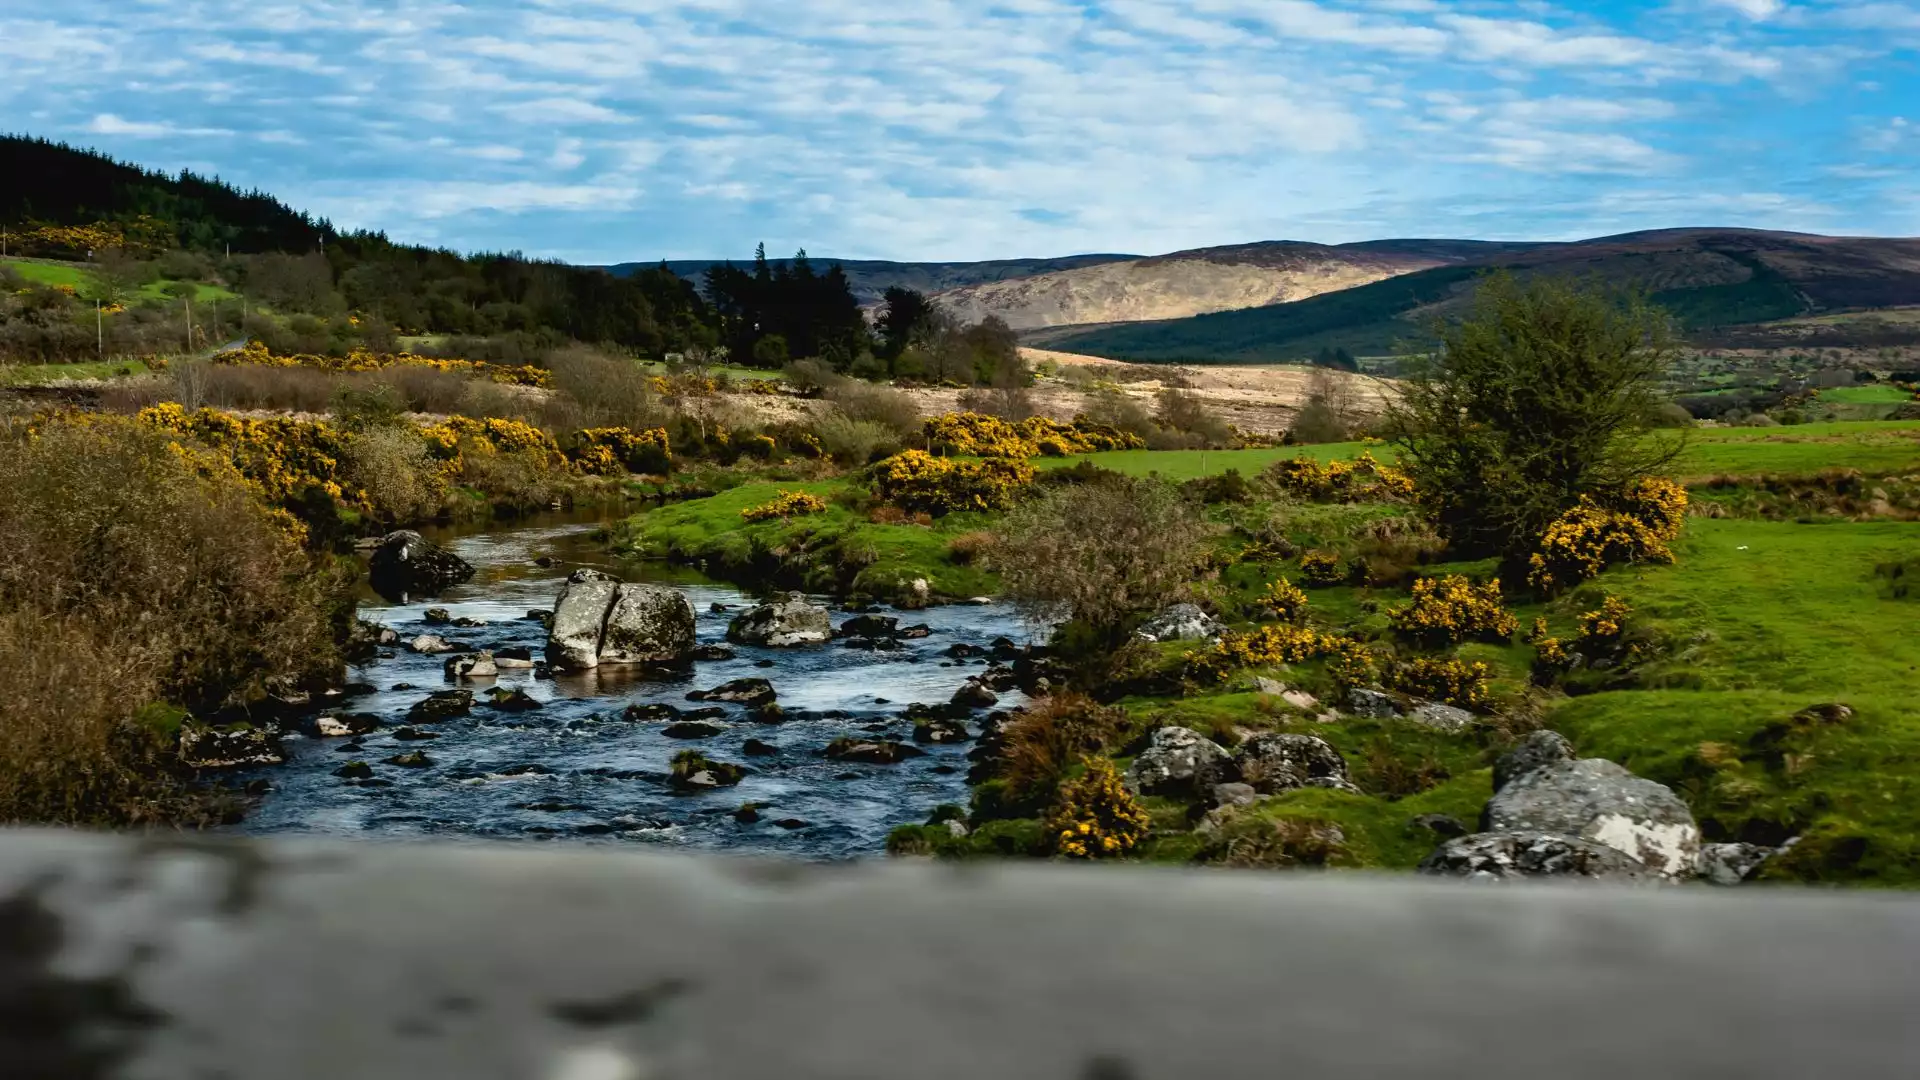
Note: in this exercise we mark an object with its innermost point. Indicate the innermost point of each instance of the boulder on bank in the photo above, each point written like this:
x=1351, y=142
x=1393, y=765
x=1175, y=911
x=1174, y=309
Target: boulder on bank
x=601, y=620
x=1601, y=801
x=407, y=564
x=1497, y=856
x=1273, y=763
x=1181, y=622
x=783, y=622
x=1537, y=751
x=1180, y=762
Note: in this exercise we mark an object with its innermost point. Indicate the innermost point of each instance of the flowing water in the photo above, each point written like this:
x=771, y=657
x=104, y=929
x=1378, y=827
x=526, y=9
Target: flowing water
x=576, y=770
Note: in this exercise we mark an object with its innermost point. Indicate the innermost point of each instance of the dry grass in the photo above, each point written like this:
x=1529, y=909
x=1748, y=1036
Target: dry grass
x=1043, y=740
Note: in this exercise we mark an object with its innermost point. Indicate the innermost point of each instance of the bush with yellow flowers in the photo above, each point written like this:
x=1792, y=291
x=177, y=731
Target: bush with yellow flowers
x=1637, y=526
x=1322, y=568
x=1450, y=609
x=1450, y=680
x=281, y=457
x=1352, y=663
x=1097, y=437
x=916, y=480
x=1364, y=479
x=616, y=451
x=1263, y=646
x=358, y=360
x=977, y=435
x=785, y=505
x=455, y=435
x=1285, y=599
x=1096, y=817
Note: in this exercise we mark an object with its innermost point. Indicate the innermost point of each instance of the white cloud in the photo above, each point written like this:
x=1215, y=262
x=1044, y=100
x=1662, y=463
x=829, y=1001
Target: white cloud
x=1753, y=9
x=109, y=124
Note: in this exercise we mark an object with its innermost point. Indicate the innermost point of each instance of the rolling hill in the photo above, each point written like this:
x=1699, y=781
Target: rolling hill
x=1711, y=279
x=1201, y=281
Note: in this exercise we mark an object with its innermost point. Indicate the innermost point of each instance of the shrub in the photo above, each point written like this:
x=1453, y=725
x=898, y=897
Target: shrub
x=869, y=404
x=971, y=547
x=135, y=568
x=1096, y=817
x=1363, y=479
x=1544, y=395
x=1037, y=744
x=1322, y=568
x=1271, y=645
x=1454, y=609
x=1451, y=680
x=978, y=435
x=1636, y=526
x=1101, y=553
x=1285, y=600
x=854, y=442
x=608, y=392
x=917, y=480
x=397, y=480
x=787, y=504
x=1188, y=414
x=617, y=451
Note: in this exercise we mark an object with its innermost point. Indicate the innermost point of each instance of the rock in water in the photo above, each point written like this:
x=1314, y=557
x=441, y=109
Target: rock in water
x=336, y=727
x=228, y=748
x=1495, y=856
x=753, y=693
x=1181, y=622
x=444, y=705
x=478, y=666
x=1180, y=762
x=1538, y=750
x=1273, y=763
x=974, y=695
x=647, y=624
x=871, y=751
x=407, y=564
x=782, y=623
x=1599, y=800
x=573, y=641
x=870, y=626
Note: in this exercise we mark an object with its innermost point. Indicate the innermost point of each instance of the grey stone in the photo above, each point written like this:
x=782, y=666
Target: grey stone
x=647, y=624
x=870, y=626
x=752, y=693
x=871, y=751
x=1731, y=864
x=1181, y=622
x=1441, y=717
x=693, y=729
x=1446, y=825
x=336, y=727
x=1179, y=762
x=444, y=705
x=579, y=616
x=940, y=730
x=1538, y=750
x=436, y=616
x=431, y=645
x=479, y=665
x=1373, y=704
x=1497, y=856
x=974, y=695
x=1234, y=795
x=1273, y=762
x=1600, y=801
x=782, y=623
x=203, y=747
x=406, y=564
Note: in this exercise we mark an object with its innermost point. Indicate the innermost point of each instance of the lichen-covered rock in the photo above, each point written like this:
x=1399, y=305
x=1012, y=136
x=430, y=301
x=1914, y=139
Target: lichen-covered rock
x=436, y=616
x=513, y=658
x=650, y=712
x=1497, y=856
x=647, y=624
x=1273, y=763
x=1179, y=762
x=752, y=693
x=1599, y=800
x=940, y=730
x=431, y=645
x=573, y=639
x=203, y=747
x=344, y=726
x=514, y=700
x=1372, y=704
x=444, y=705
x=479, y=665
x=1441, y=717
x=406, y=564
x=1731, y=864
x=692, y=770
x=782, y=623
x=1538, y=750
x=1181, y=622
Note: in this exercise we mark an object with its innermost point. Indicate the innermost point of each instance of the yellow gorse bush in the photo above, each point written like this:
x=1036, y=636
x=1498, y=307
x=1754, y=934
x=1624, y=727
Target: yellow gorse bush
x=1285, y=599
x=616, y=451
x=1096, y=817
x=916, y=480
x=281, y=457
x=787, y=504
x=1364, y=479
x=449, y=437
x=1639, y=526
x=1454, y=609
x=979, y=435
x=1262, y=647
x=1451, y=680
x=1322, y=568
x=363, y=360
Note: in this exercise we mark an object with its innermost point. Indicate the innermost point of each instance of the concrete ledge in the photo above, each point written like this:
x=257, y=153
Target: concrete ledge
x=182, y=959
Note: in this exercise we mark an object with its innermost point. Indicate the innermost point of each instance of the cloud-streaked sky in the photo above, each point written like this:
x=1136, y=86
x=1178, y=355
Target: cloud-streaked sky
x=616, y=130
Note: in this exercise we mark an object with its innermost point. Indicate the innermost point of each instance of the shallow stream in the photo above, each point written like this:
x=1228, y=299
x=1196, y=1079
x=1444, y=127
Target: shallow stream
x=576, y=770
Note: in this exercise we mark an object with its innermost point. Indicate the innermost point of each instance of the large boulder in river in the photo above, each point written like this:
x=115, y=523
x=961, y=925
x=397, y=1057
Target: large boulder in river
x=407, y=564
x=784, y=621
x=1602, y=802
x=1180, y=762
x=1497, y=856
x=599, y=620
x=1181, y=622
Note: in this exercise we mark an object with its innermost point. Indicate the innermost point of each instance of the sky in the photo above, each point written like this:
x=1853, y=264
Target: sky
x=630, y=130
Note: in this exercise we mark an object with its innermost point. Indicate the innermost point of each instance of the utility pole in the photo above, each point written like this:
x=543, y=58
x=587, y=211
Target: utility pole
x=188, y=301
x=99, y=331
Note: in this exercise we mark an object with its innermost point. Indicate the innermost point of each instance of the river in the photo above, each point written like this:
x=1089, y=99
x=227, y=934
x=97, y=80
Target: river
x=575, y=770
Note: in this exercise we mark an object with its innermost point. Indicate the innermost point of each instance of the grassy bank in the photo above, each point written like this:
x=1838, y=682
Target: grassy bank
x=839, y=549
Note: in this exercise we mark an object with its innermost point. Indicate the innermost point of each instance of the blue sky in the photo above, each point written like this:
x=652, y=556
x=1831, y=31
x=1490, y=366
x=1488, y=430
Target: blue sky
x=615, y=130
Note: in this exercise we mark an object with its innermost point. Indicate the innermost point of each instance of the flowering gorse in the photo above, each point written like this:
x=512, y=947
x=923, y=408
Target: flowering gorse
x=787, y=504
x=1454, y=609
x=1450, y=680
x=1096, y=817
x=1638, y=526
x=916, y=480
x=1364, y=479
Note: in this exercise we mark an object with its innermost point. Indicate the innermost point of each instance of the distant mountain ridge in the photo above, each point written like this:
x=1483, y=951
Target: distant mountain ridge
x=871, y=278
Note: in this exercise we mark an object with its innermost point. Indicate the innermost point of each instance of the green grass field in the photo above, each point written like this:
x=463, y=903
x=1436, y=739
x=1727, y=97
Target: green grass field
x=82, y=281
x=1877, y=394
x=41, y=374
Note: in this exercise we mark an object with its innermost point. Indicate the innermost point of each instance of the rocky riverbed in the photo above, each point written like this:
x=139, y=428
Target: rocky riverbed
x=588, y=756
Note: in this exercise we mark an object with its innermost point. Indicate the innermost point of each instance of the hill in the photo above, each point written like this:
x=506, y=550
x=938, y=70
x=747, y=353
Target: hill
x=871, y=278
x=1188, y=283
x=1711, y=279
